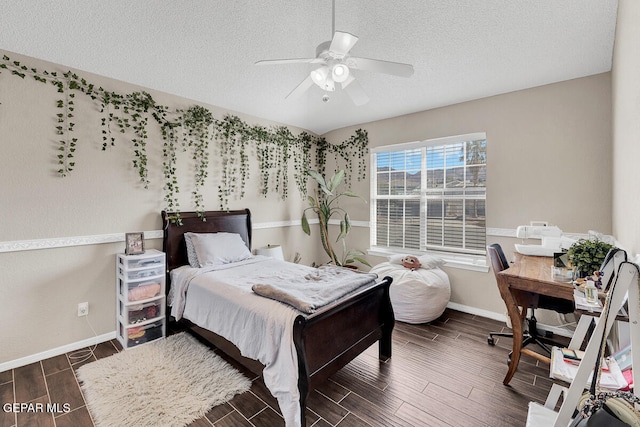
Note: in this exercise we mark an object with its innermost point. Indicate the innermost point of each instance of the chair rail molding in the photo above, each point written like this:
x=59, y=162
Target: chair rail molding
x=62, y=242
x=97, y=239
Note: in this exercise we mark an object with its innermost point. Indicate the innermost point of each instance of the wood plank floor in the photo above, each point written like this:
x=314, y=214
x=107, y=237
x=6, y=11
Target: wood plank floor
x=441, y=374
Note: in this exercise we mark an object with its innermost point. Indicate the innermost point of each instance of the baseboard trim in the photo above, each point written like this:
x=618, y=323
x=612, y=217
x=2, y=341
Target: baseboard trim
x=477, y=311
x=12, y=364
x=503, y=318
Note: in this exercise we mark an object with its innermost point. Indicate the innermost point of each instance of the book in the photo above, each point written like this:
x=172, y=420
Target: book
x=571, y=354
x=611, y=378
x=628, y=376
x=623, y=357
x=575, y=356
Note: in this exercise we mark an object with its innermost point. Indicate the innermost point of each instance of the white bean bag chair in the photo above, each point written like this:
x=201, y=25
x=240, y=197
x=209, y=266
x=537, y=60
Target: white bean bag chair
x=420, y=295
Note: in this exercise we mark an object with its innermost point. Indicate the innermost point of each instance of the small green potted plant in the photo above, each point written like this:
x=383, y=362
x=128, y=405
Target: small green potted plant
x=325, y=205
x=587, y=255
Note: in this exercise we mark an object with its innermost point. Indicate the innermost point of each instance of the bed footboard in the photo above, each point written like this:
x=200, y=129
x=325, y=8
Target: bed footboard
x=335, y=335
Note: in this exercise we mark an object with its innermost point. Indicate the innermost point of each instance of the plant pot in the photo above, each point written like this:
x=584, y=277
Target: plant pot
x=582, y=274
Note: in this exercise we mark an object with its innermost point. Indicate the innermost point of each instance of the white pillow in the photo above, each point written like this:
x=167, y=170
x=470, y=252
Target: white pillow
x=192, y=256
x=428, y=261
x=219, y=248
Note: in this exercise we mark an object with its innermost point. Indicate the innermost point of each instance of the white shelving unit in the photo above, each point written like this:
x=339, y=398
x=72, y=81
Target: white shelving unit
x=140, y=306
x=545, y=415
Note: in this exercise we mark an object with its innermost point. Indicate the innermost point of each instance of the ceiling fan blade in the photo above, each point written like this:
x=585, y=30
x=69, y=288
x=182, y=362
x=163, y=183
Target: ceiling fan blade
x=301, y=88
x=379, y=66
x=355, y=91
x=286, y=61
x=342, y=43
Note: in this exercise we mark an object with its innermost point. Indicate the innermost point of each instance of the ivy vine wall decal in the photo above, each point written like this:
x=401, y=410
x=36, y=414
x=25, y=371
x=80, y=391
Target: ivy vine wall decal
x=193, y=130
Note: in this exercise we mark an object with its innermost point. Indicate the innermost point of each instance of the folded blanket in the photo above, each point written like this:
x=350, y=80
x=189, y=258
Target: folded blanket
x=135, y=332
x=314, y=290
x=144, y=292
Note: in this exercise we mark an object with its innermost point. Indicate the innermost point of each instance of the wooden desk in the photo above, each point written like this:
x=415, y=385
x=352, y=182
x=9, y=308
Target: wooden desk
x=520, y=286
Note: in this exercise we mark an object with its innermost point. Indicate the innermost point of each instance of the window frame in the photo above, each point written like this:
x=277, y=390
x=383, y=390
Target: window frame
x=454, y=255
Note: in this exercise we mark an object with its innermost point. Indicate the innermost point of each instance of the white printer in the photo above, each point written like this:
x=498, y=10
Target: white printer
x=552, y=240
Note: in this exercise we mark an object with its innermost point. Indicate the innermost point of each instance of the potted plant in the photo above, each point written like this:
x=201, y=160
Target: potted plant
x=587, y=255
x=325, y=205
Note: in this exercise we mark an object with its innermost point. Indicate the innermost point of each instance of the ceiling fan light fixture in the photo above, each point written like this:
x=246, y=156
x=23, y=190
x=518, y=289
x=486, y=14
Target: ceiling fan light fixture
x=340, y=73
x=319, y=75
x=329, y=85
x=322, y=78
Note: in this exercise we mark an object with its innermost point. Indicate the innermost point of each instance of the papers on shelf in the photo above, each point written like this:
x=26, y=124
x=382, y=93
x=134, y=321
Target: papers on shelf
x=570, y=355
x=565, y=371
x=582, y=303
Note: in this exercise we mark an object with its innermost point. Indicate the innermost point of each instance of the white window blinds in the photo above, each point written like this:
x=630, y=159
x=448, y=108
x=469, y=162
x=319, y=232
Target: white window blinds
x=430, y=195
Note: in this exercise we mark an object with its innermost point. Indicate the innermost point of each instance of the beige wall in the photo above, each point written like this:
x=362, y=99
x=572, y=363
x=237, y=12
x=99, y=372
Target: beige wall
x=40, y=289
x=548, y=158
x=626, y=126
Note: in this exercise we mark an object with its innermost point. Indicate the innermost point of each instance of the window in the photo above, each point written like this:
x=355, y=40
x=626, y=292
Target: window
x=430, y=195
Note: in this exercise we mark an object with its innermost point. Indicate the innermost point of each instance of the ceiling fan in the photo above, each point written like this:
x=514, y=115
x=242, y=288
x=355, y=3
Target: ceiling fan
x=335, y=65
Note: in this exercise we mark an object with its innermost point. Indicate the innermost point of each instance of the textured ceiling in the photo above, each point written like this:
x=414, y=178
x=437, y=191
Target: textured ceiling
x=205, y=49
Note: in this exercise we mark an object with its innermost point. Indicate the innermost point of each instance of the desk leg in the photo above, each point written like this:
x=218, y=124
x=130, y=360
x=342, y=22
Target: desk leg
x=517, y=320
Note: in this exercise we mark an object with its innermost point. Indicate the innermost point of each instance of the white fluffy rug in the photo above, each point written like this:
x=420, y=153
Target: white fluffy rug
x=169, y=382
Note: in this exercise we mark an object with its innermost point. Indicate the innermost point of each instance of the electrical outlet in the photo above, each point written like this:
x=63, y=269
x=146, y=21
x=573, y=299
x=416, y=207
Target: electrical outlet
x=83, y=309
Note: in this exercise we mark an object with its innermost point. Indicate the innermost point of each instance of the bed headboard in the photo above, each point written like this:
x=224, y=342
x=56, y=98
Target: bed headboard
x=216, y=221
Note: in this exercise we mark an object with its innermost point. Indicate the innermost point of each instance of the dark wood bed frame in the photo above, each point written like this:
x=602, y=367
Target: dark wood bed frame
x=326, y=340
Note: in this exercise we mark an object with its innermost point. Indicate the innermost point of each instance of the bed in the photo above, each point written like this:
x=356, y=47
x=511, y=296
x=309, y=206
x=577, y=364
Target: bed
x=317, y=347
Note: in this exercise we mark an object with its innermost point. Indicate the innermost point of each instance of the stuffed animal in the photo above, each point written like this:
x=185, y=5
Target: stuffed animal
x=411, y=262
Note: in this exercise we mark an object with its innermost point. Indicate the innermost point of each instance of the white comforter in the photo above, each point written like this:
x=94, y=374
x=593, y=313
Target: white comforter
x=261, y=328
